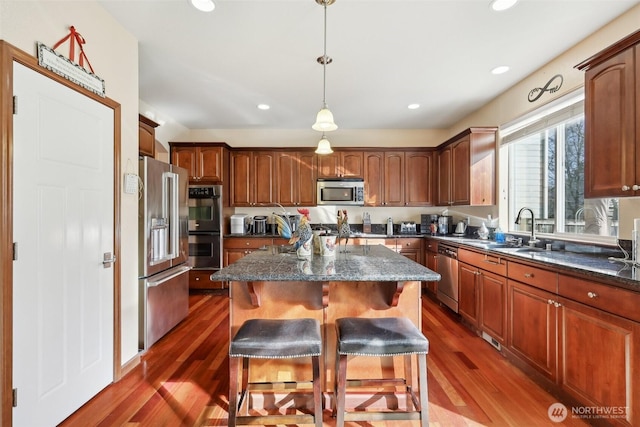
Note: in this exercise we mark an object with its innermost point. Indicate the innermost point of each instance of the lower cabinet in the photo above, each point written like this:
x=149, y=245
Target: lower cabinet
x=201, y=279
x=431, y=262
x=532, y=335
x=482, y=299
x=600, y=359
x=234, y=248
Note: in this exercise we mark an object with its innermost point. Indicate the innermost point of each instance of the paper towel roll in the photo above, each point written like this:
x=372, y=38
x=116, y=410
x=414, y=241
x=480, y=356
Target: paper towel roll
x=636, y=224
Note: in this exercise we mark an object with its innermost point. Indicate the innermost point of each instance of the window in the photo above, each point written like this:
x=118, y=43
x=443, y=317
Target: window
x=542, y=156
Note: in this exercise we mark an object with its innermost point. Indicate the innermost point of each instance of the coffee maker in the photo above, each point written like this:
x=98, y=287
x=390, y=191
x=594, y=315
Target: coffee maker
x=445, y=224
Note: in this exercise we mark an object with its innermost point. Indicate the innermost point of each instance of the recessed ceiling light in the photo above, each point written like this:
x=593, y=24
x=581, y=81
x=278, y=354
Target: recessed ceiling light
x=500, y=70
x=203, y=5
x=500, y=5
x=413, y=106
x=263, y=106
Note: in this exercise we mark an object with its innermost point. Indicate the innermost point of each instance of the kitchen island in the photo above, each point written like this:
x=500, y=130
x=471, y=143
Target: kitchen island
x=366, y=281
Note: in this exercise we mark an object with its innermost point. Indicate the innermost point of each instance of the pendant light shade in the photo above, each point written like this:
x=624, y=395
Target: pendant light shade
x=324, y=147
x=324, y=121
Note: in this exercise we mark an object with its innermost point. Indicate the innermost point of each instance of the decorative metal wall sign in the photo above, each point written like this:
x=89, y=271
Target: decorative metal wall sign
x=71, y=71
x=553, y=85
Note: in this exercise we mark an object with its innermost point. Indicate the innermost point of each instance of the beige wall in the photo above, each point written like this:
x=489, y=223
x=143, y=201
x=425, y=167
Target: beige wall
x=113, y=53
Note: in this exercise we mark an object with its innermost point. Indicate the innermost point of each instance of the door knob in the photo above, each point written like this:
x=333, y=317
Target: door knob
x=107, y=259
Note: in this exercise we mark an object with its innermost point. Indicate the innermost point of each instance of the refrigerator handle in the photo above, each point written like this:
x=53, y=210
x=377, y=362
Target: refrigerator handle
x=170, y=209
x=162, y=280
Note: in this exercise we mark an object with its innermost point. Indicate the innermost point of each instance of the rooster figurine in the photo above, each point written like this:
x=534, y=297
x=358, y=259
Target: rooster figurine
x=303, y=233
x=343, y=228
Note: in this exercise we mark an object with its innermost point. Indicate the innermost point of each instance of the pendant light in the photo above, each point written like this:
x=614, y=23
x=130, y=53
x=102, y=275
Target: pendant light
x=324, y=147
x=324, y=119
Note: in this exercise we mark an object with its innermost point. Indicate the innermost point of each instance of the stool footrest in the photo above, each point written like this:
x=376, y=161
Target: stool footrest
x=281, y=385
x=377, y=382
x=275, y=419
x=381, y=416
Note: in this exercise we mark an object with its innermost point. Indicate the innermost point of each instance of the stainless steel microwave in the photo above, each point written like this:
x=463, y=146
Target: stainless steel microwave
x=341, y=191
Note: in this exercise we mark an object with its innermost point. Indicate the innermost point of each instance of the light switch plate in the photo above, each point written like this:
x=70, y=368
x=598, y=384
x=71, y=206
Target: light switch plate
x=130, y=183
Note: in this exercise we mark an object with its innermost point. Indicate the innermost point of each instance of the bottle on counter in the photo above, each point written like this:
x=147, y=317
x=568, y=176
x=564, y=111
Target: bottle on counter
x=389, y=226
x=500, y=237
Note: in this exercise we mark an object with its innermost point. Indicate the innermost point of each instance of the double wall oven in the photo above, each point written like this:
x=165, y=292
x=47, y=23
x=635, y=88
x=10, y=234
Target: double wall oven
x=205, y=224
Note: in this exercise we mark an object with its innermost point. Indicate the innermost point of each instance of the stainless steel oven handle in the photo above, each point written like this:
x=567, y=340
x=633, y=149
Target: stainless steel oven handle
x=158, y=282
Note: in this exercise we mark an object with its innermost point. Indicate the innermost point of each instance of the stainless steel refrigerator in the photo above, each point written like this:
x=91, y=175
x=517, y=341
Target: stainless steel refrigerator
x=163, y=246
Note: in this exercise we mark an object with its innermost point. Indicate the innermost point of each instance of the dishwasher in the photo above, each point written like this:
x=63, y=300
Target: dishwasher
x=448, y=269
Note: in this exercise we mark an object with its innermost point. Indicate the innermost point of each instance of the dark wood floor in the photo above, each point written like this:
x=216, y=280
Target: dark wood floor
x=182, y=380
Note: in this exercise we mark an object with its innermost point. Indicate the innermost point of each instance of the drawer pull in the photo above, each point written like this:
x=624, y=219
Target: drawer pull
x=592, y=295
x=557, y=304
x=550, y=301
x=528, y=275
x=492, y=261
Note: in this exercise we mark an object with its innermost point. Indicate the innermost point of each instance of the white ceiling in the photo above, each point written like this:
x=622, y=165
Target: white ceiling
x=210, y=70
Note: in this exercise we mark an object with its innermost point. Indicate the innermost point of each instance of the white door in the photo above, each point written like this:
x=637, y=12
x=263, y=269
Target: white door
x=63, y=224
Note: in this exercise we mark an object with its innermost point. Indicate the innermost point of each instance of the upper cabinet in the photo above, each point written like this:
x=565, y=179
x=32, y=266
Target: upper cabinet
x=398, y=178
x=612, y=120
x=466, y=168
x=204, y=162
x=296, y=178
x=252, y=175
x=341, y=164
x=146, y=136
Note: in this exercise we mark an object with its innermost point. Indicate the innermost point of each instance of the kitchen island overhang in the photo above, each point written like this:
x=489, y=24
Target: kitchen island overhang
x=366, y=281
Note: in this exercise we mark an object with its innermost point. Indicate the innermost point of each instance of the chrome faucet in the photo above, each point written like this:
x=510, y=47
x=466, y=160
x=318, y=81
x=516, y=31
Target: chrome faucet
x=533, y=240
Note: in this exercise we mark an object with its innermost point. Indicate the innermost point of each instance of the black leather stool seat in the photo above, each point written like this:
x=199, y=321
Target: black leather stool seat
x=277, y=339
x=380, y=337
x=273, y=339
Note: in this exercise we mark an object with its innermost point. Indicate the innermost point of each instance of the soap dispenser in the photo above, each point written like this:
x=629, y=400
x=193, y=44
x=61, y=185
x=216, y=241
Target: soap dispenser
x=483, y=232
x=500, y=238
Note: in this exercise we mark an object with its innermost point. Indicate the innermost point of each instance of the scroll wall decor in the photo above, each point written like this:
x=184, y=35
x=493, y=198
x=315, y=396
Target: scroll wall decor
x=66, y=67
x=553, y=85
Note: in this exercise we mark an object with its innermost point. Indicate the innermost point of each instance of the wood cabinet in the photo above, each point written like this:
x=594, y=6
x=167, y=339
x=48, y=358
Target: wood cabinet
x=532, y=331
x=466, y=168
x=599, y=338
x=201, y=279
x=431, y=262
x=251, y=176
x=296, y=178
x=482, y=299
x=204, y=163
x=599, y=359
x=234, y=248
x=612, y=112
x=468, y=278
x=411, y=248
x=341, y=164
x=398, y=178
x=146, y=136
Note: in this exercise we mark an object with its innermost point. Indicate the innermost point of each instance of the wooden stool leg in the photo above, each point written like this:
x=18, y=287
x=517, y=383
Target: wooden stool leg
x=424, y=390
x=341, y=385
x=317, y=390
x=233, y=390
x=408, y=379
x=244, y=386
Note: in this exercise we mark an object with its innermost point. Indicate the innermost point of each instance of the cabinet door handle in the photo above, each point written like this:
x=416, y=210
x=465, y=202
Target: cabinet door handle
x=625, y=188
x=635, y=187
x=550, y=302
x=557, y=304
x=592, y=295
x=528, y=275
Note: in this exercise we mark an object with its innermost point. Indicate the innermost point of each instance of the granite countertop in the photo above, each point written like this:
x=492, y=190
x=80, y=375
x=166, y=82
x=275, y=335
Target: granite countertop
x=607, y=265
x=371, y=263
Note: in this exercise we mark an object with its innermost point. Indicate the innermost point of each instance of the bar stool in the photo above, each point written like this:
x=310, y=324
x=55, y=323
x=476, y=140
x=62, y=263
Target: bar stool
x=389, y=336
x=274, y=339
